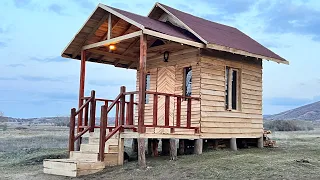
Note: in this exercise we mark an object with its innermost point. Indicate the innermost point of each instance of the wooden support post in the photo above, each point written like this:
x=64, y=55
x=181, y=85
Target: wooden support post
x=127, y=113
x=141, y=153
x=93, y=111
x=134, y=145
x=189, y=113
x=155, y=109
x=109, y=26
x=103, y=126
x=72, y=127
x=155, y=145
x=181, y=147
x=166, y=110
x=233, y=144
x=142, y=82
x=173, y=149
x=120, y=151
x=122, y=105
x=260, y=142
x=81, y=88
x=165, y=147
x=215, y=144
x=198, y=146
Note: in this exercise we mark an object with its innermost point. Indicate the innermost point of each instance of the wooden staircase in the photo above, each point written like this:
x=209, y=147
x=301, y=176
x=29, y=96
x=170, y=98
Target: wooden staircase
x=86, y=161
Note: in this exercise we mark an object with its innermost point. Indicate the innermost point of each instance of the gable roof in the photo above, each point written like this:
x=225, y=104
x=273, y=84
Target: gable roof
x=192, y=30
x=220, y=36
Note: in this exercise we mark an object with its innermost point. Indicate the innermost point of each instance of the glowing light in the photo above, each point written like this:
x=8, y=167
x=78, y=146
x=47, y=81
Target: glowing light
x=112, y=47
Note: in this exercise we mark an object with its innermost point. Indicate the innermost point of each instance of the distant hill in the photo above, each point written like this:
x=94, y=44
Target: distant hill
x=309, y=112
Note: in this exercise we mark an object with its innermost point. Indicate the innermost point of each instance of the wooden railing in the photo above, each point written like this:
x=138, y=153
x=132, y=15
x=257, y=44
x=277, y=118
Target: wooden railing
x=124, y=116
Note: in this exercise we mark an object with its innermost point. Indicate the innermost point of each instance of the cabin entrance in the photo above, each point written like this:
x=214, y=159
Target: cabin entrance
x=166, y=84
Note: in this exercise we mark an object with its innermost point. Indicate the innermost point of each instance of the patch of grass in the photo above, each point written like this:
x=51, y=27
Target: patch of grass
x=288, y=125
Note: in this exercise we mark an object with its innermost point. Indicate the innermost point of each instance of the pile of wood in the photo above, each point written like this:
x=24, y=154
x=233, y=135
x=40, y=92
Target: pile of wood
x=267, y=142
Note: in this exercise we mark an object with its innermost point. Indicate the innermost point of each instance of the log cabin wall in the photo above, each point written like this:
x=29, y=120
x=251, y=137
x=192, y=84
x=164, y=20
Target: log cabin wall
x=216, y=121
x=174, y=68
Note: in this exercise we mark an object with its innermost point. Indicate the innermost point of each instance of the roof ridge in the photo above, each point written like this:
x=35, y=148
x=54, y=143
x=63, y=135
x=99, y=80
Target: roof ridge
x=197, y=16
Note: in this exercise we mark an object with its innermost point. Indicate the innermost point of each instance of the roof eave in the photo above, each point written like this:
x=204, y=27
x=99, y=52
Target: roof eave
x=244, y=53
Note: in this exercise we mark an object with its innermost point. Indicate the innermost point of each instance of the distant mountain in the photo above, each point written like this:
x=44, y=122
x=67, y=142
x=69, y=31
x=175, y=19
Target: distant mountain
x=309, y=112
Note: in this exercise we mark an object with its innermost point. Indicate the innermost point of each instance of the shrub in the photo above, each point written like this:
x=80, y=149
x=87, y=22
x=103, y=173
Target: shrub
x=288, y=125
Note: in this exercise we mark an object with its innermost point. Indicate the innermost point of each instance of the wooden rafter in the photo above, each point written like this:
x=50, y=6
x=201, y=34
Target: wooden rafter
x=103, y=19
x=112, y=55
x=113, y=40
x=104, y=37
x=130, y=46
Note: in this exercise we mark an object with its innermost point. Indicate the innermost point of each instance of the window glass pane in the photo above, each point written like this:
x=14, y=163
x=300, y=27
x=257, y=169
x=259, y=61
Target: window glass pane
x=227, y=87
x=188, y=81
x=234, y=89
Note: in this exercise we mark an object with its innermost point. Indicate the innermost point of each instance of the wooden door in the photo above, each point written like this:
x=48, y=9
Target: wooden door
x=166, y=84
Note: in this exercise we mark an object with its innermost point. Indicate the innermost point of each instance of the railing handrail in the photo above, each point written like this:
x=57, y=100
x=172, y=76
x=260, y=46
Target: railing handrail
x=84, y=105
x=163, y=94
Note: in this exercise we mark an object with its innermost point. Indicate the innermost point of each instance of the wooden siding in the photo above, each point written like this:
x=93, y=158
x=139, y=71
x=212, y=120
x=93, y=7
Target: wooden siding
x=178, y=60
x=216, y=121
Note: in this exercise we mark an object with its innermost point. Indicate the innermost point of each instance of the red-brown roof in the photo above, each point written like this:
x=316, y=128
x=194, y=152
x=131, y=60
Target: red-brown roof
x=155, y=25
x=221, y=34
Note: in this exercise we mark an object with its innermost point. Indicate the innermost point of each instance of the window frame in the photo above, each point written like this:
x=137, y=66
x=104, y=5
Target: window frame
x=228, y=105
x=184, y=90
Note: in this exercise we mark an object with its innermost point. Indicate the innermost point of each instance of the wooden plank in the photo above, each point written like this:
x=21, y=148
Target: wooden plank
x=113, y=40
x=172, y=38
x=166, y=110
x=112, y=55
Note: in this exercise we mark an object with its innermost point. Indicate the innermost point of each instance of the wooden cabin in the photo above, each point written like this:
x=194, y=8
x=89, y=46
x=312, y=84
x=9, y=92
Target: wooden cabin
x=198, y=82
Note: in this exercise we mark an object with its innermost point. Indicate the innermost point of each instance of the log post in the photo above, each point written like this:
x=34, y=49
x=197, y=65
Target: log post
x=141, y=153
x=233, y=144
x=173, y=149
x=81, y=88
x=260, y=142
x=181, y=146
x=122, y=105
x=72, y=127
x=103, y=126
x=141, y=106
x=93, y=111
x=198, y=146
x=155, y=143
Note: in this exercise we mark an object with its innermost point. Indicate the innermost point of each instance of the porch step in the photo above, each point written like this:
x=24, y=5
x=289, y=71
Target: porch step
x=71, y=167
x=94, y=148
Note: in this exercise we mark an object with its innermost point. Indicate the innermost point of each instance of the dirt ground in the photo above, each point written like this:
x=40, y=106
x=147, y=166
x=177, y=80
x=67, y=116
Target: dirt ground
x=297, y=157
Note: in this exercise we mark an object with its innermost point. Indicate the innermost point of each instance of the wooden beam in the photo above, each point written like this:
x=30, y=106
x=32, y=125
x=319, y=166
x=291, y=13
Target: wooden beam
x=81, y=86
x=93, y=31
x=112, y=41
x=116, y=62
x=163, y=47
x=104, y=37
x=130, y=46
x=112, y=55
x=173, y=38
x=244, y=53
x=141, y=106
x=109, y=26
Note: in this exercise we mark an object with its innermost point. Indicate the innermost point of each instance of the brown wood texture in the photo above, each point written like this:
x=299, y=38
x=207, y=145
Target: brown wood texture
x=141, y=153
x=173, y=149
x=92, y=111
x=81, y=87
x=71, y=129
x=142, y=84
x=103, y=126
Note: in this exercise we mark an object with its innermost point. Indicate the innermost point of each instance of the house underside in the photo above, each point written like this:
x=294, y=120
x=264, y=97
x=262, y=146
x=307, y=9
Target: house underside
x=188, y=88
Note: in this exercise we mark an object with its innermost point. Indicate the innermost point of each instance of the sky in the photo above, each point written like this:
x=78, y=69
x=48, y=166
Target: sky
x=35, y=81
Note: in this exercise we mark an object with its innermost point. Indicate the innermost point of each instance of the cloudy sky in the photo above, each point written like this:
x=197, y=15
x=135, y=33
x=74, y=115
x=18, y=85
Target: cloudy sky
x=35, y=81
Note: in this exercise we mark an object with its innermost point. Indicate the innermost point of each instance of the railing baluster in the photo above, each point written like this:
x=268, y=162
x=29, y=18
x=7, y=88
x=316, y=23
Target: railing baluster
x=106, y=103
x=131, y=103
x=178, y=111
x=122, y=105
x=72, y=127
x=86, y=115
x=117, y=115
x=127, y=113
x=166, y=110
x=189, y=113
x=92, y=111
x=103, y=126
x=155, y=109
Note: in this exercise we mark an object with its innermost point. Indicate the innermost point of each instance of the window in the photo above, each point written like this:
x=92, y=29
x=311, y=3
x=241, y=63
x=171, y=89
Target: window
x=147, y=88
x=187, y=81
x=232, y=89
